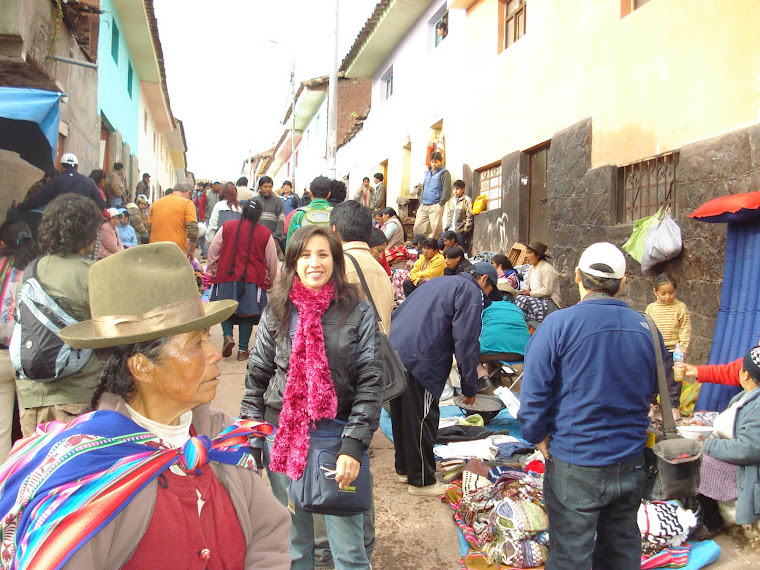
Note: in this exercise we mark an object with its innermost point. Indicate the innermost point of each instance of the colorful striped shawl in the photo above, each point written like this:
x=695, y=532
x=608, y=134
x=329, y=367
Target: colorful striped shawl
x=61, y=486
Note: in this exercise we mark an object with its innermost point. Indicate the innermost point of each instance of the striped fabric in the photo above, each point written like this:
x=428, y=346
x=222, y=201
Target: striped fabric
x=61, y=486
x=673, y=557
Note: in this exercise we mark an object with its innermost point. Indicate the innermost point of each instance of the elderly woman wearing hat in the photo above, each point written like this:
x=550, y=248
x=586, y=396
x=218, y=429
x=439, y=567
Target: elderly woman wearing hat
x=138, y=217
x=540, y=293
x=154, y=478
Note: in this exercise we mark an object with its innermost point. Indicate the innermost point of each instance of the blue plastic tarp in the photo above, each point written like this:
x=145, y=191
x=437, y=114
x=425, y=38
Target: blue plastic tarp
x=34, y=106
x=738, y=325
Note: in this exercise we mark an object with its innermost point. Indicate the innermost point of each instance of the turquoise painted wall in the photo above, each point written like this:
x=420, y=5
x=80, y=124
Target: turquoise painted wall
x=114, y=101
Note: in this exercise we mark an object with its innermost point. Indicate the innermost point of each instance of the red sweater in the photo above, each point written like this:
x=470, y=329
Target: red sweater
x=720, y=373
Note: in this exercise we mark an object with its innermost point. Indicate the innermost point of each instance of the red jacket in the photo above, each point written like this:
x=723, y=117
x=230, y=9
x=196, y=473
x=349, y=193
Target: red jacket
x=256, y=270
x=720, y=373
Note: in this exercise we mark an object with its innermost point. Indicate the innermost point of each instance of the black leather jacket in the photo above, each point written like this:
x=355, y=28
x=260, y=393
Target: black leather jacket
x=353, y=354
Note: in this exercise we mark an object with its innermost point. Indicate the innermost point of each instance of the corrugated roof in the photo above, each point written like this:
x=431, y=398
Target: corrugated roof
x=364, y=33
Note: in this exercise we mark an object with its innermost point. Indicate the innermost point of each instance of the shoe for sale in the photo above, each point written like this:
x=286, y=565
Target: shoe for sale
x=403, y=478
x=434, y=490
x=243, y=354
x=229, y=344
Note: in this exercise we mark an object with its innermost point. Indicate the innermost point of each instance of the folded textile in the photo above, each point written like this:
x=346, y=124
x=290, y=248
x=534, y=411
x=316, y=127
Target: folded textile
x=676, y=557
x=509, y=449
x=464, y=432
x=480, y=448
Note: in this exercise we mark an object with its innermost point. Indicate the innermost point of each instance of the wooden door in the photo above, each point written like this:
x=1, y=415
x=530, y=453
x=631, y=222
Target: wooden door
x=538, y=207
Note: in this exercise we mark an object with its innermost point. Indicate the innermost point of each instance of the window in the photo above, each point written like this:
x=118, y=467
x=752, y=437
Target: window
x=490, y=184
x=514, y=21
x=441, y=29
x=130, y=77
x=389, y=86
x=115, y=41
x=645, y=186
x=628, y=6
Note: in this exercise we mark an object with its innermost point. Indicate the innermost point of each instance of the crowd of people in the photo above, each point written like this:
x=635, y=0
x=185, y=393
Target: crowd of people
x=136, y=447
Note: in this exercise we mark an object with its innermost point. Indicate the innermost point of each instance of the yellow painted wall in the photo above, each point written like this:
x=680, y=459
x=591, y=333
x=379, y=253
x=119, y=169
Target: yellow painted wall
x=671, y=73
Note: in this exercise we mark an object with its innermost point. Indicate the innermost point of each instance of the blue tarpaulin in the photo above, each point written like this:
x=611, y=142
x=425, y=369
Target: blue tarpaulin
x=29, y=124
x=738, y=325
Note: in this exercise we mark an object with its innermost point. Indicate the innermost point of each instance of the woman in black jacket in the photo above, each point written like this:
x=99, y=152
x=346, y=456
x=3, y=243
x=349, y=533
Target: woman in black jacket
x=315, y=359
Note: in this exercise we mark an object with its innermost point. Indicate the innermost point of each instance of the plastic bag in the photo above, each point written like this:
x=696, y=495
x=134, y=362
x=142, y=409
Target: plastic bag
x=480, y=204
x=635, y=245
x=663, y=242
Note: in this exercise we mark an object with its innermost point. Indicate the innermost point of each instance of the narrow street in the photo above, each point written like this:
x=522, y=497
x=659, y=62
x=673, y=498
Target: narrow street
x=414, y=532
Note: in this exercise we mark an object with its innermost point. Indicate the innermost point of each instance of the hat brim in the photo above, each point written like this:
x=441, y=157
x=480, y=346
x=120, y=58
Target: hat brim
x=82, y=335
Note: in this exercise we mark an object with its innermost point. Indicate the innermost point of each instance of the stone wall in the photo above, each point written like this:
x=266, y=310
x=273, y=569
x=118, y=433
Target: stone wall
x=582, y=205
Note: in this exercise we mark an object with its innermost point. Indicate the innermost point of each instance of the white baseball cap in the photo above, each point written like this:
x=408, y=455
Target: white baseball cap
x=113, y=212
x=603, y=259
x=69, y=158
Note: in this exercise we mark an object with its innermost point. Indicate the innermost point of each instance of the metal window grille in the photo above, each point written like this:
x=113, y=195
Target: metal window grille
x=490, y=184
x=645, y=186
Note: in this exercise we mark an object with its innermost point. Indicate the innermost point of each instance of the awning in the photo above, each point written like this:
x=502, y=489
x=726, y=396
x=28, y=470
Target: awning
x=29, y=124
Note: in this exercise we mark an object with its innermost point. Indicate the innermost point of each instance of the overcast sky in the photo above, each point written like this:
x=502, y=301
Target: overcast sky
x=229, y=84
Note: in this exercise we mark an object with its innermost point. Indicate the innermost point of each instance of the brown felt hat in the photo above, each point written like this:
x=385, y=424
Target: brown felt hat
x=143, y=293
x=538, y=248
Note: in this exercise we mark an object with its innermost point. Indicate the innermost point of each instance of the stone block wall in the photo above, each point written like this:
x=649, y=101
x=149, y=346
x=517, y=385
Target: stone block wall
x=582, y=210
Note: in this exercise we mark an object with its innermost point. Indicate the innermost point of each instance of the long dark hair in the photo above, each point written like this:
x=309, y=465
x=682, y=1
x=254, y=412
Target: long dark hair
x=251, y=211
x=18, y=241
x=345, y=296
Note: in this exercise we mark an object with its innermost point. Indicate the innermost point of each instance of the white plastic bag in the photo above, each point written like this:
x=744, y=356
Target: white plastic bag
x=663, y=242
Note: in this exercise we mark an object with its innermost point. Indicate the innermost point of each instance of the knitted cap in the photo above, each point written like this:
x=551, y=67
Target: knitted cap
x=752, y=363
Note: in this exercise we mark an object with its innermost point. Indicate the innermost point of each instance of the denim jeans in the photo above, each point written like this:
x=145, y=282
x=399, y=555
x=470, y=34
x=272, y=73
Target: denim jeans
x=345, y=534
x=592, y=515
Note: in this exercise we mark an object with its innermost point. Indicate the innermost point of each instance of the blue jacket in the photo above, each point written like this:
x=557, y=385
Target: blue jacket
x=127, y=235
x=744, y=452
x=440, y=319
x=436, y=188
x=504, y=329
x=589, y=372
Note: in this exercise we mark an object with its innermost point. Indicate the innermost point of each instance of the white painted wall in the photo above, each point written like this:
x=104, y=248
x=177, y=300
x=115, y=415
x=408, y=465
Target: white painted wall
x=428, y=86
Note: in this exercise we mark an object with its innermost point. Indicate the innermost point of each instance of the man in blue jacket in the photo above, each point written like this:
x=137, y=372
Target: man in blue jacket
x=436, y=192
x=589, y=372
x=440, y=319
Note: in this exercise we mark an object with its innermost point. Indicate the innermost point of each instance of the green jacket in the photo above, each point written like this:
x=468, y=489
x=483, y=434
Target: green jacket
x=295, y=221
x=64, y=278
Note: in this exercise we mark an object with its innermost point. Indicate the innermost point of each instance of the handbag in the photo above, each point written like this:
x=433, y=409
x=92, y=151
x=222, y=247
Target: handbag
x=317, y=491
x=394, y=372
x=673, y=464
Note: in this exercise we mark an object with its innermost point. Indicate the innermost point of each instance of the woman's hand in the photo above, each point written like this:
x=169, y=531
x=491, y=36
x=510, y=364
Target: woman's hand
x=346, y=470
x=690, y=370
x=524, y=292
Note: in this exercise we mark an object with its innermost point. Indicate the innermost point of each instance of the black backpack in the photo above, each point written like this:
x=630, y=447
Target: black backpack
x=36, y=350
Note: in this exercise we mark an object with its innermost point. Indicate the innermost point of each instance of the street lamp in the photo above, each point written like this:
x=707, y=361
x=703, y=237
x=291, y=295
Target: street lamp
x=292, y=112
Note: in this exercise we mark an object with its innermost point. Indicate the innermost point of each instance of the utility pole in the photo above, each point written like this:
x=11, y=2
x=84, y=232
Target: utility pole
x=332, y=100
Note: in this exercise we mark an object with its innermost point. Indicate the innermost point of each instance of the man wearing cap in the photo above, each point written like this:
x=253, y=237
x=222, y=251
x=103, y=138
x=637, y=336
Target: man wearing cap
x=441, y=319
x=589, y=372
x=69, y=181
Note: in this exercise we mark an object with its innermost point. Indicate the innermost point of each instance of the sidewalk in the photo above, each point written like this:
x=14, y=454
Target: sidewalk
x=413, y=532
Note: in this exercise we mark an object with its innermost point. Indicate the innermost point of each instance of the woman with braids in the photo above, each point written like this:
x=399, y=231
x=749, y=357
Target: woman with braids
x=315, y=362
x=154, y=478
x=16, y=251
x=67, y=234
x=246, y=264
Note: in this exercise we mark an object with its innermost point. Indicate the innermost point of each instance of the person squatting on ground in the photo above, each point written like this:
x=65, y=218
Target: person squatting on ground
x=440, y=320
x=337, y=379
x=170, y=481
x=68, y=231
x=436, y=191
x=590, y=370
x=245, y=256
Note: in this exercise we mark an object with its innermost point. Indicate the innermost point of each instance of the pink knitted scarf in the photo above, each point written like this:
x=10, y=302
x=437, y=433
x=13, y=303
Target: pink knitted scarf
x=309, y=391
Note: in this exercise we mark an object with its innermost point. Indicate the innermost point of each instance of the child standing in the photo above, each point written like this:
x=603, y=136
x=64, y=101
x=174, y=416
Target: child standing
x=674, y=323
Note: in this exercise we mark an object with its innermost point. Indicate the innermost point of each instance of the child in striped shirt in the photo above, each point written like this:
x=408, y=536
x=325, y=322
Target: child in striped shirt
x=674, y=323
